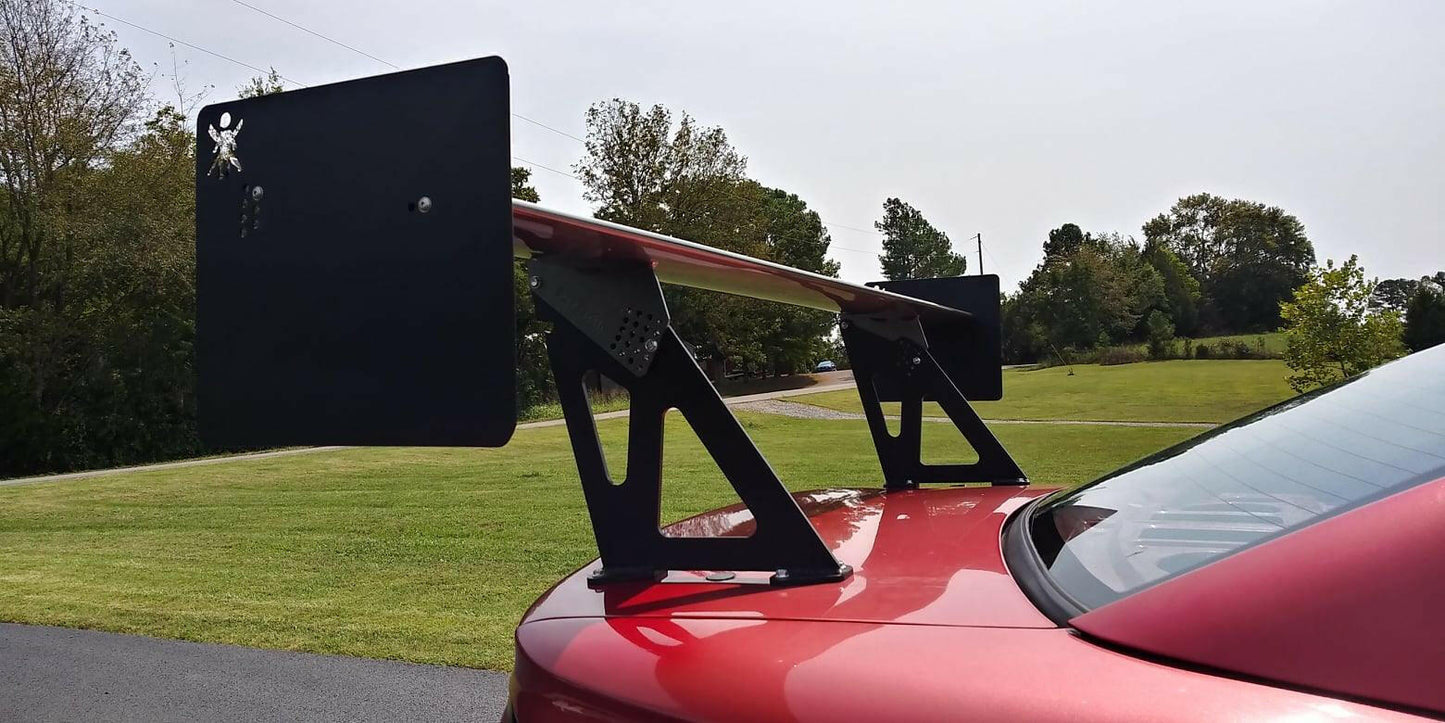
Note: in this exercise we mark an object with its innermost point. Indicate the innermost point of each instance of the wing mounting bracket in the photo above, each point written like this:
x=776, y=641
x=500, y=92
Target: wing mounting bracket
x=593, y=306
x=893, y=348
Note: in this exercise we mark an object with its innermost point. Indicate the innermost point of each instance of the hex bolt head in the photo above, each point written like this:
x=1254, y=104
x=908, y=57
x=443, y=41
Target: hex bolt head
x=917, y=361
x=535, y=281
x=257, y=193
x=423, y=204
x=650, y=345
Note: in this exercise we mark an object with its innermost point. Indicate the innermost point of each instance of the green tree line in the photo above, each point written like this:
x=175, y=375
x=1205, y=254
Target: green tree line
x=97, y=251
x=97, y=246
x=97, y=255
x=1208, y=265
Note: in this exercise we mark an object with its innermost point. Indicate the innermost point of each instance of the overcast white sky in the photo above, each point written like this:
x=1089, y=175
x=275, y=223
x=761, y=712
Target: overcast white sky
x=1002, y=118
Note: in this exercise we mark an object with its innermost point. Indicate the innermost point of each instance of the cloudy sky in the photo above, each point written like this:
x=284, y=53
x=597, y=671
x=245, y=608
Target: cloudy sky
x=1005, y=119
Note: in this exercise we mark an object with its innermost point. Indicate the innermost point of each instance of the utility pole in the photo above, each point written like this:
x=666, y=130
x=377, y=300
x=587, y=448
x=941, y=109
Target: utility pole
x=979, y=237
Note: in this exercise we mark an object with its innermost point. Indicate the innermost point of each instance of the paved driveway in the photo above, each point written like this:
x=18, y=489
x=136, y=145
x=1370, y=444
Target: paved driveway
x=59, y=674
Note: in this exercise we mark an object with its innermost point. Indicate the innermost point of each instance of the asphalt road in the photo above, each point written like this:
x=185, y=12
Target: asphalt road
x=59, y=674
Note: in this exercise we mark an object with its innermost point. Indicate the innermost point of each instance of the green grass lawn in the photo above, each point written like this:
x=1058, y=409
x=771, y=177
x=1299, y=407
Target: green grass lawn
x=428, y=555
x=1168, y=391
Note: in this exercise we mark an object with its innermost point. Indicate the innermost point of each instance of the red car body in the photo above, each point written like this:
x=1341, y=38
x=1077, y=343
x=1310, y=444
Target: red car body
x=1335, y=613
x=931, y=626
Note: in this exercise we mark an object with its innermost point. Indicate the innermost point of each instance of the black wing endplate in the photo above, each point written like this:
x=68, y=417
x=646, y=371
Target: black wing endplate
x=969, y=349
x=354, y=263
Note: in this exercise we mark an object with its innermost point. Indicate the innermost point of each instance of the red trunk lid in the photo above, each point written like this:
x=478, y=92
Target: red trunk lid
x=919, y=557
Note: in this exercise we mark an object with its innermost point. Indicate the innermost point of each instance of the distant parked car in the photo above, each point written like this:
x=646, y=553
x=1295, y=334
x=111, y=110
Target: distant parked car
x=826, y=366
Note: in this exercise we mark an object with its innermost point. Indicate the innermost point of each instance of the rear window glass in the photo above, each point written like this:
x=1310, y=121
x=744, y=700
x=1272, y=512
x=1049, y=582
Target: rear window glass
x=1280, y=469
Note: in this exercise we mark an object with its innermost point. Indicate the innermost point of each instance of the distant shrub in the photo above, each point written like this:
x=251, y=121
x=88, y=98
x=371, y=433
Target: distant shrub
x=1161, y=335
x=1067, y=356
x=1229, y=349
x=1203, y=351
x=1112, y=355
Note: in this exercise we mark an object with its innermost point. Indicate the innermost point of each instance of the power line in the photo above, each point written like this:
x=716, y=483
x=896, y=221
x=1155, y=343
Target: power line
x=519, y=116
x=304, y=29
x=383, y=61
x=333, y=41
x=520, y=159
x=855, y=228
x=192, y=46
x=338, y=43
x=550, y=128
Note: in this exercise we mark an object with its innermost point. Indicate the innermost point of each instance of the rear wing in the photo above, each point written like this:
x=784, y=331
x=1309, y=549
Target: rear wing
x=355, y=245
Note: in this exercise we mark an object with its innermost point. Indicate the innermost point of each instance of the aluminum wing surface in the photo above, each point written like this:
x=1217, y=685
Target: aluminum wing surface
x=538, y=230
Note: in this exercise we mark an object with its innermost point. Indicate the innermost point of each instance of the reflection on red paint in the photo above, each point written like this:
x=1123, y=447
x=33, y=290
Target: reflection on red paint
x=929, y=627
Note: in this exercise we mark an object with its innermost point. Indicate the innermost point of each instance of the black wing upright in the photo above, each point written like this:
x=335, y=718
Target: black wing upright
x=354, y=263
x=354, y=257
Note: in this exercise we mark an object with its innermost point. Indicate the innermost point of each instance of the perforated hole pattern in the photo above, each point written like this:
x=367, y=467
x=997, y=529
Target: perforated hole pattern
x=629, y=344
x=250, y=211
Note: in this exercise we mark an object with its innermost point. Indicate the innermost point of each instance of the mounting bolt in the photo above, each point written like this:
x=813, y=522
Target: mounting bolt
x=917, y=361
x=650, y=345
x=535, y=281
x=423, y=204
x=843, y=324
x=257, y=193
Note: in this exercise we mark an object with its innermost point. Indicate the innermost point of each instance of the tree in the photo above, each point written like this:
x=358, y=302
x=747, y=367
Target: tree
x=68, y=94
x=675, y=177
x=1394, y=293
x=795, y=233
x=522, y=188
x=795, y=236
x=1161, y=334
x=912, y=247
x=1181, y=290
x=1332, y=332
x=1100, y=293
x=96, y=251
x=643, y=172
x=107, y=378
x=1065, y=241
x=261, y=85
x=1246, y=256
x=1425, y=314
x=534, y=369
x=1024, y=338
